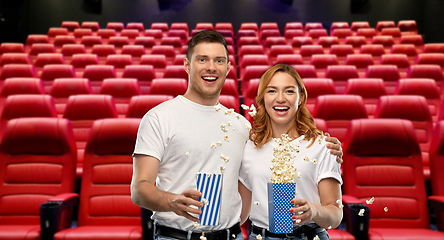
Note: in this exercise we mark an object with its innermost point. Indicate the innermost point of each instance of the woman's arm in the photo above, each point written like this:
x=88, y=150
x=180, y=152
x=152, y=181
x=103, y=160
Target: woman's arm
x=329, y=213
x=246, y=201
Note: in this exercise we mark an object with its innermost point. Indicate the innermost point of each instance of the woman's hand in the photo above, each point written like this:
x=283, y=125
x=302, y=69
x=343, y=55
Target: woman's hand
x=303, y=210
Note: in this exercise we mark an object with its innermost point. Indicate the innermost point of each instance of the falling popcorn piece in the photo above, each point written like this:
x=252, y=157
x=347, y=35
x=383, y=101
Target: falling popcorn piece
x=229, y=111
x=187, y=154
x=233, y=129
x=299, y=174
x=203, y=237
x=386, y=209
x=232, y=235
x=225, y=158
x=370, y=201
x=196, y=224
x=320, y=140
x=361, y=212
x=245, y=107
x=213, y=145
x=329, y=227
x=248, y=126
x=205, y=201
x=298, y=221
x=219, y=143
x=217, y=108
x=306, y=159
x=229, y=123
x=237, y=115
x=316, y=238
x=252, y=113
x=256, y=203
x=339, y=202
x=313, y=161
x=259, y=237
x=226, y=138
x=222, y=169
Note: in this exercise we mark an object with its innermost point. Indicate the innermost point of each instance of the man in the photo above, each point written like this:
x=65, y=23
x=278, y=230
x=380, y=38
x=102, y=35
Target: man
x=192, y=134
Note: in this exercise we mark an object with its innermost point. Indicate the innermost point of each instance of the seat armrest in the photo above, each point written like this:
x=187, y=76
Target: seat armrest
x=437, y=202
x=51, y=213
x=356, y=225
x=147, y=224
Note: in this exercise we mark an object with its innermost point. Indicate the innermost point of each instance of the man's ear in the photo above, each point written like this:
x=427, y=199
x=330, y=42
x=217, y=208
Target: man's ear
x=186, y=64
x=229, y=68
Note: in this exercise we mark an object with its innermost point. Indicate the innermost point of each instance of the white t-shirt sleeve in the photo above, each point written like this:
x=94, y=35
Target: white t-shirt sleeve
x=328, y=167
x=149, y=138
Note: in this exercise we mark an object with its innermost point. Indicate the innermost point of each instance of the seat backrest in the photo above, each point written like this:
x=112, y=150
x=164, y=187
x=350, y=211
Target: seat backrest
x=18, y=70
x=175, y=71
x=162, y=26
x=156, y=60
x=323, y=60
x=143, y=73
x=355, y=41
x=135, y=25
x=416, y=40
x=384, y=24
x=386, y=41
x=407, y=49
x=84, y=59
x=425, y=87
x=133, y=50
x=274, y=41
x=390, y=171
x=81, y=32
x=247, y=40
x=433, y=48
x=53, y=71
x=306, y=71
x=99, y=72
x=118, y=26
x=61, y=40
x=65, y=87
x=362, y=86
x=12, y=48
x=168, y=86
x=146, y=42
x=388, y=73
x=291, y=33
x=71, y=49
x=106, y=33
x=108, y=153
x=361, y=60
x=309, y=50
x=368, y=33
x=399, y=60
x=48, y=58
x=341, y=50
x=38, y=161
x=317, y=87
x=289, y=59
x=171, y=41
x=118, y=41
x=373, y=49
x=230, y=101
x=90, y=107
x=119, y=60
x=37, y=48
x=90, y=41
x=252, y=60
x=13, y=86
x=230, y=88
x=94, y=26
x=358, y=25
x=327, y=42
x=293, y=25
x=70, y=25
x=103, y=50
x=120, y=87
x=341, y=72
x=298, y=42
x=317, y=33
x=250, y=49
x=15, y=58
x=27, y=105
x=140, y=105
x=130, y=33
x=425, y=71
x=166, y=50
x=392, y=31
x=313, y=25
x=341, y=32
x=431, y=58
x=408, y=26
x=337, y=111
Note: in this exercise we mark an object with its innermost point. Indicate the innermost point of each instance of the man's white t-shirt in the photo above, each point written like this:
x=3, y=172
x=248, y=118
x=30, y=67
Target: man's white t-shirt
x=255, y=173
x=188, y=138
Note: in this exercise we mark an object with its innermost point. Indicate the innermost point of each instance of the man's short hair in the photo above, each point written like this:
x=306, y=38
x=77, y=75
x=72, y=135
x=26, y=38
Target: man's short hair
x=206, y=36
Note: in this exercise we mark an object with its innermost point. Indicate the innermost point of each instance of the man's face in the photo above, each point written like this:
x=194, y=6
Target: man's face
x=207, y=70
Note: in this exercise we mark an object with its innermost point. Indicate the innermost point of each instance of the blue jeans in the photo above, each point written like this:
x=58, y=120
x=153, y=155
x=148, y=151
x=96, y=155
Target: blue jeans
x=322, y=236
x=160, y=237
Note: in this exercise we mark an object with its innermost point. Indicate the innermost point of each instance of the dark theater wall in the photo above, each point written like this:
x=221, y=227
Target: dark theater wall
x=37, y=16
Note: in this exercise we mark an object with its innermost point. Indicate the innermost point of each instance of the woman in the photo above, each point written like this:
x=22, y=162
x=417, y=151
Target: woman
x=281, y=110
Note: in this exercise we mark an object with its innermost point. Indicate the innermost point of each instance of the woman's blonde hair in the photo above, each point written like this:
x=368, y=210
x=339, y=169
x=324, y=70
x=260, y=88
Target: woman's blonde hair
x=304, y=123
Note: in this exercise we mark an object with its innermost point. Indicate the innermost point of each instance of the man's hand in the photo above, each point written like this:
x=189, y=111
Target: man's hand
x=181, y=204
x=335, y=147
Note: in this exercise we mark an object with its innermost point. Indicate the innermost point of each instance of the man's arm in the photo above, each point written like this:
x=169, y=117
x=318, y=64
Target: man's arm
x=334, y=146
x=145, y=194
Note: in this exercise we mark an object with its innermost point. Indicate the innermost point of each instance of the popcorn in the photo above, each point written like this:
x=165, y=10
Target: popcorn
x=213, y=145
x=361, y=212
x=283, y=169
x=225, y=158
x=245, y=107
x=256, y=203
x=313, y=161
x=259, y=237
x=370, y=201
x=298, y=221
x=229, y=123
x=297, y=149
x=229, y=111
x=233, y=236
x=187, y=154
x=329, y=227
x=339, y=202
x=316, y=238
x=205, y=201
x=196, y=224
x=386, y=209
x=320, y=140
x=237, y=115
x=217, y=108
x=226, y=138
x=248, y=126
x=299, y=175
x=203, y=237
x=222, y=169
x=306, y=159
x=233, y=129
x=219, y=143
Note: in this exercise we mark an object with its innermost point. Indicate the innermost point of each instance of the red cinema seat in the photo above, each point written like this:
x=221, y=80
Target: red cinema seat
x=415, y=109
x=390, y=171
x=37, y=48
x=433, y=48
x=168, y=86
x=426, y=71
x=341, y=34
x=176, y=42
x=264, y=34
x=407, y=49
x=368, y=33
x=180, y=33
x=204, y=26
x=252, y=60
x=17, y=70
x=249, y=49
x=322, y=61
x=408, y=26
x=56, y=31
x=386, y=41
x=70, y=25
x=388, y=73
x=178, y=59
x=230, y=88
x=376, y=50
x=436, y=170
x=340, y=74
x=36, y=38
x=250, y=97
x=106, y=34
x=248, y=40
x=44, y=59
x=360, y=60
x=306, y=71
x=131, y=34
x=175, y=71
x=327, y=42
x=12, y=48
x=316, y=87
x=337, y=111
x=313, y=25
x=339, y=25
x=38, y=165
x=274, y=41
x=96, y=74
x=268, y=25
x=416, y=40
x=103, y=51
x=251, y=72
x=161, y=26
x=82, y=111
x=293, y=25
x=90, y=41
x=315, y=34
x=63, y=88
x=14, y=58
x=53, y=71
x=370, y=89
x=230, y=102
x=341, y=51
x=158, y=61
x=291, y=33
x=143, y=73
x=80, y=61
x=119, y=61
x=399, y=60
x=68, y=50
x=136, y=51
x=122, y=89
x=117, y=26
x=429, y=58
x=13, y=86
x=355, y=26
x=247, y=33
x=154, y=33
x=166, y=50
x=94, y=26
x=140, y=105
x=306, y=51
x=394, y=32
x=146, y=42
x=118, y=41
x=81, y=32
x=355, y=41
x=136, y=25
x=289, y=59
x=249, y=26
x=61, y=40
x=224, y=26
x=384, y=24
x=425, y=87
x=298, y=42
x=107, y=153
x=180, y=26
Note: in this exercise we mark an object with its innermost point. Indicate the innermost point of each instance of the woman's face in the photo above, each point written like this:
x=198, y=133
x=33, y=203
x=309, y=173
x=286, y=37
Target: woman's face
x=282, y=100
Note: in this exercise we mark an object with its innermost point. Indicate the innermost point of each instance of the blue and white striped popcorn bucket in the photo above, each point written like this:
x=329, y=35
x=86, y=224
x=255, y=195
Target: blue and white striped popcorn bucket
x=210, y=185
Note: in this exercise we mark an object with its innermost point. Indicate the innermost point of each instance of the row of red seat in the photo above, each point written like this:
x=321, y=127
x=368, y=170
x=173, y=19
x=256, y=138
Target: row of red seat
x=378, y=147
